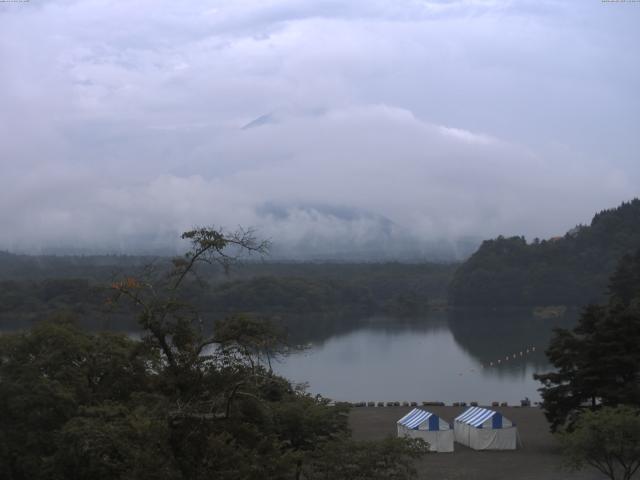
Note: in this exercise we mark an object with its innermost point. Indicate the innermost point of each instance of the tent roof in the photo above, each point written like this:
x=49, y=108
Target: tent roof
x=475, y=416
x=414, y=418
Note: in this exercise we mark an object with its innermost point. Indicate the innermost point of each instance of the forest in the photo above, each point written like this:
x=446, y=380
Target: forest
x=181, y=402
x=571, y=270
x=194, y=395
x=33, y=288
x=505, y=272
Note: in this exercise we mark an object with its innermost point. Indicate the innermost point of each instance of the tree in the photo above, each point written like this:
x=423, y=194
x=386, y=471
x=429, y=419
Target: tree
x=115, y=440
x=390, y=459
x=169, y=321
x=598, y=362
x=607, y=439
x=568, y=270
x=624, y=284
x=48, y=375
x=184, y=402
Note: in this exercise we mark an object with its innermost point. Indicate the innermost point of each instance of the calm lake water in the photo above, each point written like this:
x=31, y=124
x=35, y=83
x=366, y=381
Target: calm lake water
x=445, y=357
x=448, y=357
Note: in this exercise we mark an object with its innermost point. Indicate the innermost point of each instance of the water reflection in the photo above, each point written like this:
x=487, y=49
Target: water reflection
x=441, y=357
x=494, y=337
x=444, y=357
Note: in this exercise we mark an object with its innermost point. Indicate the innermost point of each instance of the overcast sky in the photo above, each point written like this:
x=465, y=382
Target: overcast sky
x=330, y=124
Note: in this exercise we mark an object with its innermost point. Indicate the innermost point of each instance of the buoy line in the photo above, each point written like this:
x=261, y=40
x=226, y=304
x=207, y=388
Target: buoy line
x=514, y=356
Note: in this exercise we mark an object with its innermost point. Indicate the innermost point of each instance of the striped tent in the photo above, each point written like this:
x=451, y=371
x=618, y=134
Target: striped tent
x=484, y=429
x=419, y=423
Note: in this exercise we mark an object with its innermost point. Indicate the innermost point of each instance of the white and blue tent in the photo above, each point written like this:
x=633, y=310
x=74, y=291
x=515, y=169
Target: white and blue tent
x=483, y=429
x=419, y=423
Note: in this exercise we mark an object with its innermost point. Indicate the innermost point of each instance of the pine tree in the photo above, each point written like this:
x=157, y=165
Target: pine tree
x=598, y=362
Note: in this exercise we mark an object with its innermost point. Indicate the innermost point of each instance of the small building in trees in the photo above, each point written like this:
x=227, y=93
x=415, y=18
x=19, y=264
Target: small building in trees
x=419, y=423
x=483, y=429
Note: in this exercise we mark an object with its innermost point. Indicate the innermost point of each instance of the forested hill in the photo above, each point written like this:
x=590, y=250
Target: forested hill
x=34, y=288
x=571, y=270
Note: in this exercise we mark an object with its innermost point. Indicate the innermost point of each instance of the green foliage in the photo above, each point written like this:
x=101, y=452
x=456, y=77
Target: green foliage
x=570, y=270
x=348, y=289
x=47, y=375
x=50, y=295
x=598, y=362
x=607, y=439
x=78, y=405
x=289, y=291
x=114, y=440
x=291, y=295
x=391, y=459
x=182, y=403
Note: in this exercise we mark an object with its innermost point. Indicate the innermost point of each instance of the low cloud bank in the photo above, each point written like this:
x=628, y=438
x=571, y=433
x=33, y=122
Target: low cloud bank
x=363, y=129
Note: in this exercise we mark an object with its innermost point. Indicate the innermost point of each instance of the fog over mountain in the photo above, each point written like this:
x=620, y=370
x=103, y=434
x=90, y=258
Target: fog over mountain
x=370, y=129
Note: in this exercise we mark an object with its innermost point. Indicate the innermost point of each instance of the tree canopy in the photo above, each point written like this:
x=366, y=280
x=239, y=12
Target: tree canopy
x=183, y=402
x=569, y=270
x=598, y=362
x=608, y=440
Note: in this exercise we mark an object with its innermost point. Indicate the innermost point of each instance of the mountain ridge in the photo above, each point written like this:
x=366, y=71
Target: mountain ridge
x=572, y=270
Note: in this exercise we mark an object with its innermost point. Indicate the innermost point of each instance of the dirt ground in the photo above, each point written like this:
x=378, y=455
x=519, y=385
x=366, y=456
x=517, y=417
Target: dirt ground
x=537, y=459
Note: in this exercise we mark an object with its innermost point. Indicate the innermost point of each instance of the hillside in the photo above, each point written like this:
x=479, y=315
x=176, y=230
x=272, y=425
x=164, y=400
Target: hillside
x=36, y=287
x=572, y=270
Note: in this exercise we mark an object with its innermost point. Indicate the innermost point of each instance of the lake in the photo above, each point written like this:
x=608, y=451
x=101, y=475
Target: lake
x=450, y=357
x=464, y=356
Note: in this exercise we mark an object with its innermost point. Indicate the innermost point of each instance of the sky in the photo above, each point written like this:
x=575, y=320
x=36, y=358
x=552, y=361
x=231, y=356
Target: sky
x=332, y=127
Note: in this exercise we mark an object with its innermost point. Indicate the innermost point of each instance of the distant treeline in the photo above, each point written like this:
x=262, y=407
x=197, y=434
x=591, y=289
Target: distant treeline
x=51, y=294
x=392, y=288
x=46, y=285
x=570, y=270
x=94, y=267
x=505, y=272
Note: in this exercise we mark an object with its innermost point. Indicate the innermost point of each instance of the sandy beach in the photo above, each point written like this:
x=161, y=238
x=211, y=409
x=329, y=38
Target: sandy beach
x=538, y=458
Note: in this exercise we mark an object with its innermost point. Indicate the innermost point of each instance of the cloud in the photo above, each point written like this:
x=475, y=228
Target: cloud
x=372, y=123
